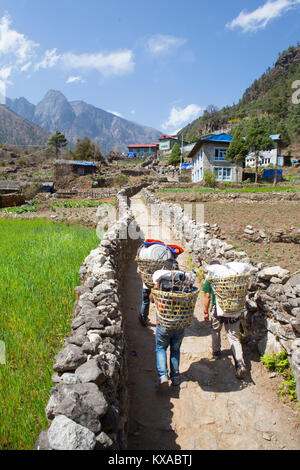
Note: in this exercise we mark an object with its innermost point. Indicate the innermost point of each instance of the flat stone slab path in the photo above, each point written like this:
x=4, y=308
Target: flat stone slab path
x=211, y=409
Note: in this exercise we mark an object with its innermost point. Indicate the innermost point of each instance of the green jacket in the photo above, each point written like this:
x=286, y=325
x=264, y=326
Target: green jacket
x=209, y=290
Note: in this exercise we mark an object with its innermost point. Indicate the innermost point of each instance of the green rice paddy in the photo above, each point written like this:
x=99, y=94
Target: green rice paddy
x=39, y=263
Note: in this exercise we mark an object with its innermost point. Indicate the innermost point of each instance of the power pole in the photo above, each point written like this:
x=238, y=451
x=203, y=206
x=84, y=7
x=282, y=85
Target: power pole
x=181, y=159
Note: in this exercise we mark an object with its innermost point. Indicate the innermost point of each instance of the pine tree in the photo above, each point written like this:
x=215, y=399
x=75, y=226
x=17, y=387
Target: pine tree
x=174, y=158
x=87, y=150
x=237, y=151
x=257, y=139
x=57, y=141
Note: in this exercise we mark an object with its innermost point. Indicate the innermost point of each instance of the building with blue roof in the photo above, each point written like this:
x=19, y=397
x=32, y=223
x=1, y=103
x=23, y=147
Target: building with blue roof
x=209, y=154
x=64, y=168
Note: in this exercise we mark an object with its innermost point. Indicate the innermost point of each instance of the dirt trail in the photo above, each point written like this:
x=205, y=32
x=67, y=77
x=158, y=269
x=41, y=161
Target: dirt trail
x=211, y=410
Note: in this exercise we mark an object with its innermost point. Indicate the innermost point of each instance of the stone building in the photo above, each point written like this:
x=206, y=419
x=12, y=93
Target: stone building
x=72, y=167
x=209, y=154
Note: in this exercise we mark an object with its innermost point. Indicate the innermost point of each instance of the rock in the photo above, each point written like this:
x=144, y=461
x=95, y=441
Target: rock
x=103, y=441
x=295, y=312
x=69, y=359
x=274, y=271
x=91, y=372
x=275, y=290
x=42, y=442
x=64, y=434
x=69, y=378
x=90, y=348
x=293, y=280
x=83, y=403
x=77, y=339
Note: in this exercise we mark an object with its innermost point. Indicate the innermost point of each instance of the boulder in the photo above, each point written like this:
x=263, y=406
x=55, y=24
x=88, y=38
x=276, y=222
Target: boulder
x=274, y=271
x=69, y=359
x=91, y=372
x=64, y=434
x=83, y=403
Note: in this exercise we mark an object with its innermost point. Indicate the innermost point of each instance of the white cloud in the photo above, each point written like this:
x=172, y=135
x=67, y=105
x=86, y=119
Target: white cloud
x=16, y=50
x=115, y=113
x=181, y=116
x=75, y=79
x=13, y=43
x=163, y=44
x=259, y=18
x=49, y=60
x=113, y=63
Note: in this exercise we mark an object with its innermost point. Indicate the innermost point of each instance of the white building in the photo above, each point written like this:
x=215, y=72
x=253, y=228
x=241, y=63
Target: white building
x=268, y=157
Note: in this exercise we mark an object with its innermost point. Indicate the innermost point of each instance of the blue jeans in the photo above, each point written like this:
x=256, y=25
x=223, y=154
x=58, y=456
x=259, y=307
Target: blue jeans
x=164, y=339
x=145, y=303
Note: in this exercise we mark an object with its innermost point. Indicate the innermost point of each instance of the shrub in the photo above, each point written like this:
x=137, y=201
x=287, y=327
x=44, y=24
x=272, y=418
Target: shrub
x=210, y=179
x=120, y=181
x=280, y=363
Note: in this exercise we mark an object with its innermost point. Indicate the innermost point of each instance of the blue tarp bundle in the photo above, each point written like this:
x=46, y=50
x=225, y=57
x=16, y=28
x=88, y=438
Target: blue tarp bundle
x=270, y=174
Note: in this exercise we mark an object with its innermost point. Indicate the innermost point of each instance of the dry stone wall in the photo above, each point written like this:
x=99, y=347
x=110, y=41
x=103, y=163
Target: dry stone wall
x=272, y=317
x=88, y=405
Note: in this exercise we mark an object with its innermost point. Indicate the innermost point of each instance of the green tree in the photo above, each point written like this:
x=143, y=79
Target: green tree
x=257, y=139
x=175, y=156
x=237, y=151
x=87, y=150
x=57, y=141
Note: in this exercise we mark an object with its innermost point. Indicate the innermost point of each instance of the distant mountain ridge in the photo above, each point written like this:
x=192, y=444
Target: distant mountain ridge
x=16, y=130
x=78, y=119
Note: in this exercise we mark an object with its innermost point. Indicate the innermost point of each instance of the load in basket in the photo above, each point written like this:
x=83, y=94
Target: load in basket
x=151, y=257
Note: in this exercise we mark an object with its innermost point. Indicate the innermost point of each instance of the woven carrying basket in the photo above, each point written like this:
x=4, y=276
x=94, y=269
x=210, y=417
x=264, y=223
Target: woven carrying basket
x=175, y=310
x=147, y=268
x=230, y=292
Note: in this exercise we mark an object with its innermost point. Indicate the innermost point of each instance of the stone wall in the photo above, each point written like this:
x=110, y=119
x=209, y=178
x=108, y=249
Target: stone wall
x=11, y=200
x=272, y=317
x=88, y=405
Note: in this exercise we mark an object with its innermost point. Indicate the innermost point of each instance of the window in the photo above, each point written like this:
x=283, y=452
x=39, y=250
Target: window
x=223, y=174
x=220, y=154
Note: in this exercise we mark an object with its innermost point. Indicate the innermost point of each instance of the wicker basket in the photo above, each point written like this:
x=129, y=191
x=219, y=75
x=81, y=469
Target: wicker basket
x=230, y=292
x=147, y=268
x=175, y=310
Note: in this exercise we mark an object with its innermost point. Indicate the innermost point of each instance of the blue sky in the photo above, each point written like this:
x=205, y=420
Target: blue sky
x=157, y=62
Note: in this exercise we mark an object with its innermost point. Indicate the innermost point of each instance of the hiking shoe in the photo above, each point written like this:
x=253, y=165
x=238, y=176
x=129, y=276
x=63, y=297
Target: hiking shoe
x=176, y=381
x=240, y=371
x=163, y=383
x=143, y=320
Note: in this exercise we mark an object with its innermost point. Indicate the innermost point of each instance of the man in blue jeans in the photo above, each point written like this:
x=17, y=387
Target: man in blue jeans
x=165, y=338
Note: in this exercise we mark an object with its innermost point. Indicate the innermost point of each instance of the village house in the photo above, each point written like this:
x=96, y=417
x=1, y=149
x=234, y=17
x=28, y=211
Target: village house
x=144, y=151
x=73, y=167
x=268, y=157
x=209, y=154
x=167, y=142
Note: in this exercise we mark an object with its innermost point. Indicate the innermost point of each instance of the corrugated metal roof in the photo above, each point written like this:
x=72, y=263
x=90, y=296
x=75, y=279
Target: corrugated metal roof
x=73, y=162
x=220, y=138
x=275, y=136
x=142, y=146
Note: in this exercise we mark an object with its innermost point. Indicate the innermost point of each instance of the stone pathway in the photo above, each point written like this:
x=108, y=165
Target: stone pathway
x=211, y=410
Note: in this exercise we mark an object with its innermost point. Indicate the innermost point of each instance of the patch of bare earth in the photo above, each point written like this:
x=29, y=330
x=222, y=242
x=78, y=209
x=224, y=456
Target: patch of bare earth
x=234, y=215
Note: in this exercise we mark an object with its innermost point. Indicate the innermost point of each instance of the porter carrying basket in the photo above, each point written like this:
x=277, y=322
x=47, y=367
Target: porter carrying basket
x=230, y=292
x=175, y=309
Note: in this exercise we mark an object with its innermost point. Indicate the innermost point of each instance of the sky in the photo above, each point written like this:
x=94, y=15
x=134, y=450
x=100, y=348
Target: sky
x=159, y=63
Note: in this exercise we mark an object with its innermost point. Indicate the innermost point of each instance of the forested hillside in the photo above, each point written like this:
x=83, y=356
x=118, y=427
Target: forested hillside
x=269, y=98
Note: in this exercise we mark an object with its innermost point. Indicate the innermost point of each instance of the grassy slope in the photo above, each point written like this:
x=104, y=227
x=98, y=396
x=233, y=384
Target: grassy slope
x=38, y=272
